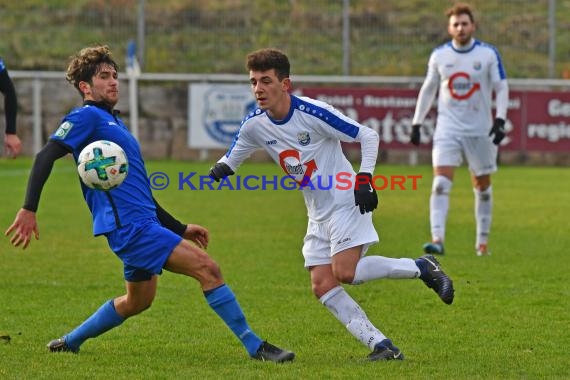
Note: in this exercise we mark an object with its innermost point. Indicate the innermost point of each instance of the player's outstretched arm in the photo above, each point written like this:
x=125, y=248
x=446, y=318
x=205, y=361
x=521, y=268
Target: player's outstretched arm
x=21, y=230
x=25, y=224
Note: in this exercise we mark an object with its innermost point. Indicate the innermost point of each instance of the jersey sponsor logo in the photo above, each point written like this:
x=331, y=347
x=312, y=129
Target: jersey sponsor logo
x=304, y=138
x=294, y=169
x=460, y=86
x=63, y=129
x=290, y=161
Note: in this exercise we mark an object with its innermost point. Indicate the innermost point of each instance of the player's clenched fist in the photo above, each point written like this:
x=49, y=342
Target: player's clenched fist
x=415, y=136
x=219, y=171
x=365, y=196
x=498, y=129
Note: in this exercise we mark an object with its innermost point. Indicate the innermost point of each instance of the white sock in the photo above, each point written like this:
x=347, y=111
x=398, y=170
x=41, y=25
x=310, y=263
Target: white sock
x=483, y=214
x=351, y=315
x=375, y=267
x=438, y=206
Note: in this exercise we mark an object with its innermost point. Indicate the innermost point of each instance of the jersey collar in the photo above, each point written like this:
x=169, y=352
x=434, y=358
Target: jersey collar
x=289, y=114
x=101, y=105
x=465, y=49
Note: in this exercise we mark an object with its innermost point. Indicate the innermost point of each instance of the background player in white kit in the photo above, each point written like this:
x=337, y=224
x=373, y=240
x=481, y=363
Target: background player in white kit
x=303, y=136
x=466, y=71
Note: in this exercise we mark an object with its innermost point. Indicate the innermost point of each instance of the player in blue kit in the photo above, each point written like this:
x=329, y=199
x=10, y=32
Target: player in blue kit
x=140, y=232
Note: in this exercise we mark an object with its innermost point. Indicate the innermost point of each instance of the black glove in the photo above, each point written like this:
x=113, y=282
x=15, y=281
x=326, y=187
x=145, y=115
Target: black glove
x=415, y=136
x=498, y=129
x=365, y=196
x=219, y=171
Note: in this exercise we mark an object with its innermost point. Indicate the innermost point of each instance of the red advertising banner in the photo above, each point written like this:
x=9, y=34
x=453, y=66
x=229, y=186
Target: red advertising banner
x=545, y=120
x=536, y=120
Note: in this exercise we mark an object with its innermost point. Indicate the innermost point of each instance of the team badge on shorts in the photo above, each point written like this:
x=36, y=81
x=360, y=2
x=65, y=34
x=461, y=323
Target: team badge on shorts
x=304, y=138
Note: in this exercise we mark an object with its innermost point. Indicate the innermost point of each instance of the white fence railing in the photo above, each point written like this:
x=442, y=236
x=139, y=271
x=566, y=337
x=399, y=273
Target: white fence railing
x=38, y=77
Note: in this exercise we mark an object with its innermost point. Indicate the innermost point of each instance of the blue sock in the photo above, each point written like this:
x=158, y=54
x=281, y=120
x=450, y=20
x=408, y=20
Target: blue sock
x=104, y=319
x=225, y=304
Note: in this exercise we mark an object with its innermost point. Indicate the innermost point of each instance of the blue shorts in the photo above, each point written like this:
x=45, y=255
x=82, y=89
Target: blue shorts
x=143, y=247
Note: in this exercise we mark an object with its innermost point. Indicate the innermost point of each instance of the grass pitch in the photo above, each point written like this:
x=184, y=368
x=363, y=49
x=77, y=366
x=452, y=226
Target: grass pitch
x=509, y=319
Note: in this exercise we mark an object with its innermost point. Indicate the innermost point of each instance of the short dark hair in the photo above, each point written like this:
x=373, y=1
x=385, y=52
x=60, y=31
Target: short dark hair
x=267, y=59
x=460, y=9
x=85, y=64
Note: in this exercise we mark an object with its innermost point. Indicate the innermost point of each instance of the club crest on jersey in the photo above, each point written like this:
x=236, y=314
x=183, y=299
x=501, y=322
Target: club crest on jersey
x=304, y=138
x=477, y=65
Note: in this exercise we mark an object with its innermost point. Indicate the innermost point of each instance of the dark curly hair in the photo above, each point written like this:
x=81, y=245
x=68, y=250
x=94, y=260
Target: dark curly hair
x=87, y=63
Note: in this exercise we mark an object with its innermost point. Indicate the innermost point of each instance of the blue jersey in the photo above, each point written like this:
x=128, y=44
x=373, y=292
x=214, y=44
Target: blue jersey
x=130, y=201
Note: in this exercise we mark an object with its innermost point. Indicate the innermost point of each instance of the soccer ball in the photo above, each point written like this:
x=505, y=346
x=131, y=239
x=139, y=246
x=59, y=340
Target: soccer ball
x=102, y=165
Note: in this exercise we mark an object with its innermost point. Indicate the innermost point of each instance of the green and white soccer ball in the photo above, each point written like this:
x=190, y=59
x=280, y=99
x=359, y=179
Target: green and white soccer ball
x=102, y=165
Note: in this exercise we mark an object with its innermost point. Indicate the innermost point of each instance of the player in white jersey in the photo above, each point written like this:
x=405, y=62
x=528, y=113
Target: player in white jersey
x=304, y=137
x=466, y=71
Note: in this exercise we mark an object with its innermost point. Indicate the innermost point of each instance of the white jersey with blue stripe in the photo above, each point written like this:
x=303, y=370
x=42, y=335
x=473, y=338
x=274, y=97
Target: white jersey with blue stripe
x=307, y=144
x=466, y=79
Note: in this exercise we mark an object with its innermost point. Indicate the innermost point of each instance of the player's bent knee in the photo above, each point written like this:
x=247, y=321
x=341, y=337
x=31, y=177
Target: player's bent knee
x=134, y=307
x=205, y=269
x=212, y=269
x=320, y=288
x=142, y=307
x=441, y=185
x=345, y=277
x=194, y=262
x=482, y=185
x=318, y=291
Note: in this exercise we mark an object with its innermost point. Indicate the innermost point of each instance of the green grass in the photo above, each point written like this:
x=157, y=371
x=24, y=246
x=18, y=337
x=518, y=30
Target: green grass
x=509, y=319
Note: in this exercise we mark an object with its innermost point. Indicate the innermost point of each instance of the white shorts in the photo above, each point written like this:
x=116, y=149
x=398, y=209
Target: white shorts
x=346, y=228
x=479, y=151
